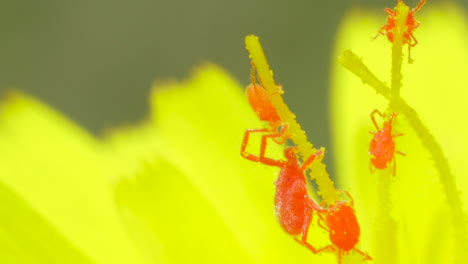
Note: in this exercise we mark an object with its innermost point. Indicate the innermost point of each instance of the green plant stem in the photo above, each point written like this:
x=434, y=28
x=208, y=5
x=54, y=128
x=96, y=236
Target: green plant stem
x=317, y=170
x=354, y=64
x=402, y=11
x=387, y=253
x=387, y=250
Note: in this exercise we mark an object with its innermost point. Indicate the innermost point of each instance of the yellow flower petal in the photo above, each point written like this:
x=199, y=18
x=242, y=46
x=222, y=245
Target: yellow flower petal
x=27, y=238
x=203, y=195
x=57, y=169
x=173, y=221
x=435, y=86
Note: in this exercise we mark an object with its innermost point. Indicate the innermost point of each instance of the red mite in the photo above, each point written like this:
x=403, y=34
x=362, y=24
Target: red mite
x=293, y=206
x=341, y=223
x=260, y=102
x=411, y=25
x=382, y=145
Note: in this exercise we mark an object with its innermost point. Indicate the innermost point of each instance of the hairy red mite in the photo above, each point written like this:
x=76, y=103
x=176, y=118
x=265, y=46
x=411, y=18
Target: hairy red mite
x=382, y=145
x=293, y=206
x=260, y=102
x=411, y=24
x=344, y=231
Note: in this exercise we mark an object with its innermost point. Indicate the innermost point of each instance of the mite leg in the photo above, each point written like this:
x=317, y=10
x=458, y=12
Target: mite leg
x=366, y=257
x=303, y=241
x=261, y=158
x=372, y=116
x=305, y=231
x=390, y=12
x=265, y=160
x=322, y=223
x=313, y=204
x=349, y=197
x=399, y=152
x=245, y=142
x=280, y=140
x=418, y=6
x=381, y=31
x=311, y=159
x=411, y=43
x=252, y=74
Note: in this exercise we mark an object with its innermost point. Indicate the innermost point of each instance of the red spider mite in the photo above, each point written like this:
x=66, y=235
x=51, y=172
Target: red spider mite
x=382, y=145
x=341, y=223
x=411, y=25
x=260, y=102
x=293, y=206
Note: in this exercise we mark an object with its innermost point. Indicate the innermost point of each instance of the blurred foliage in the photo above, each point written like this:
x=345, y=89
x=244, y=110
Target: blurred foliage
x=95, y=60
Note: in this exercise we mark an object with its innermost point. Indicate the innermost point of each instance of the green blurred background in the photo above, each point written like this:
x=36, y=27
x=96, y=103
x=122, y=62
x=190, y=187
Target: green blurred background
x=95, y=60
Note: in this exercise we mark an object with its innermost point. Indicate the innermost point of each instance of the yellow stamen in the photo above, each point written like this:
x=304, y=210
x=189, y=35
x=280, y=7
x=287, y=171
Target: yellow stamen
x=318, y=171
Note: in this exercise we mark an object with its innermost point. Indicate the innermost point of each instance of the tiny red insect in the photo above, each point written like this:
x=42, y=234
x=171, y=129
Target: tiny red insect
x=260, y=102
x=411, y=25
x=341, y=223
x=293, y=206
x=382, y=145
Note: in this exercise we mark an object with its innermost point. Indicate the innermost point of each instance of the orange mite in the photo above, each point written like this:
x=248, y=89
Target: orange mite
x=293, y=206
x=382, y=145
x=411, y=25
x=341, y=223
x=260, y=102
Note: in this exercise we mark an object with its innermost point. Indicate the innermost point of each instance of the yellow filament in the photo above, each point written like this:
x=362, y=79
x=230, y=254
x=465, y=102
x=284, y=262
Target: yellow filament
x=355, y=65
x=402, y=12
x=318, y=171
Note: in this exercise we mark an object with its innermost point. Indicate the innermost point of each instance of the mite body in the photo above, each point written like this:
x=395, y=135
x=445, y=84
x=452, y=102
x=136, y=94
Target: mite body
x=382, y=144
x=260, y=101
x=343, y=227
x=411, y=24
x=293, y=206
